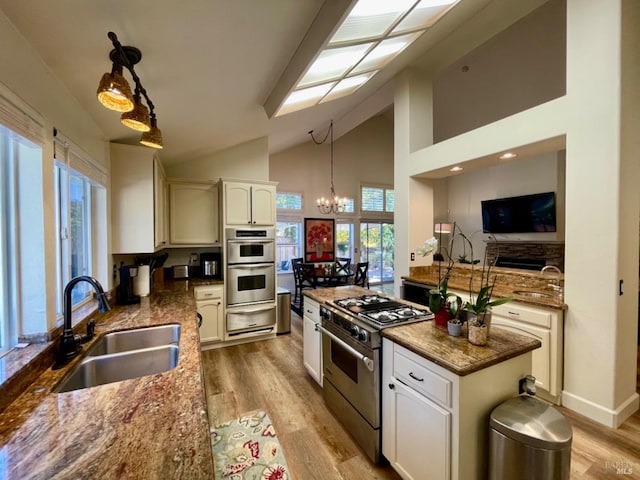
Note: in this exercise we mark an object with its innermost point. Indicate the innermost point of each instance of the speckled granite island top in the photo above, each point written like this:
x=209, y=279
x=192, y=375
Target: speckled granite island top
x=146, y=428
x=456, y=354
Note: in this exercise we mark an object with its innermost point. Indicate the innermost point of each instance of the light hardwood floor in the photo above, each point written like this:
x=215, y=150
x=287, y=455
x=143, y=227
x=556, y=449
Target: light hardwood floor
x=269, y=375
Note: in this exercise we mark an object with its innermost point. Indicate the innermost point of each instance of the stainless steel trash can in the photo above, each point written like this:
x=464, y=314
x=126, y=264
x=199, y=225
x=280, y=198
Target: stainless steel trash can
x=529, y=440
x=284, y=311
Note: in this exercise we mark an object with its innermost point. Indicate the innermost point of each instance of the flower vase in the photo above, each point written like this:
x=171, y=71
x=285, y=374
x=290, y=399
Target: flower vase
x=478, y=334
x=442, y=317
x=318, y=248
x=455, y=329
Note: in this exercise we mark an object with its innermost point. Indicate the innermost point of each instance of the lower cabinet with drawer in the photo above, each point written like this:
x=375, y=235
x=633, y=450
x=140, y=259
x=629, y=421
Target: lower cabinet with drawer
x=435, y=424
x=547, y=326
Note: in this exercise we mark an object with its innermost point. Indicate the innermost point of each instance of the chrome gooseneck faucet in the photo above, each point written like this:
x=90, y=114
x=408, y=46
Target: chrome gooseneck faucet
x=69, y=342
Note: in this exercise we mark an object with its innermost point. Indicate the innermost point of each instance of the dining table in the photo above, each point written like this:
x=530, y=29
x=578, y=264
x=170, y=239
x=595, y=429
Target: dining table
x=328, y=276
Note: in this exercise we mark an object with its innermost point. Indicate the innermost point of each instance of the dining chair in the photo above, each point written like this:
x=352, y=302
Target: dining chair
x=304, y=277
x=342, y=266
x=360, y=278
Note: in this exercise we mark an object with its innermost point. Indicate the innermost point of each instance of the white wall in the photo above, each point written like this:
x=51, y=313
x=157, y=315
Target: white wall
x=514, y=178
x=364, y=155
x=518, y=68
x=25, y=74
x=247, y=160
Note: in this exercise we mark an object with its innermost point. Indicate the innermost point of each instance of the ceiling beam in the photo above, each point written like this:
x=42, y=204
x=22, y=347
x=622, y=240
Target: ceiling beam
x=324, y=24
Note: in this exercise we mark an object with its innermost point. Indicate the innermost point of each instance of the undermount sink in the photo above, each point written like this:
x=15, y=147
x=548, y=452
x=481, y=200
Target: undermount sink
x=138, y=338
x=115, y=367
x=527, y=293
x=125, y=355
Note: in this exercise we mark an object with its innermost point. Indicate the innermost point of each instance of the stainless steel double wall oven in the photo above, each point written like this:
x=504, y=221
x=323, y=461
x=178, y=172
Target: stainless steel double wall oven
x=250, y=281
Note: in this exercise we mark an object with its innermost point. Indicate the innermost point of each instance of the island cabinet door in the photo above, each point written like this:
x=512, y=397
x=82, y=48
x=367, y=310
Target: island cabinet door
x=416, y=434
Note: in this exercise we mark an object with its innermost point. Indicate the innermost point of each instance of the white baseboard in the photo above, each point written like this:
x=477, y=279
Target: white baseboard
x=600, y=414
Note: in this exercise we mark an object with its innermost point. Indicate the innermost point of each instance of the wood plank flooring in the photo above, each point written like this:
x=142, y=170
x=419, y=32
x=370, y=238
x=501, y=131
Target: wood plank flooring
x=269, y=375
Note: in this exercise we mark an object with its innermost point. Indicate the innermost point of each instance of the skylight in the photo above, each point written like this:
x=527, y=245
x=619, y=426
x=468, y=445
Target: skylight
x=371, y=36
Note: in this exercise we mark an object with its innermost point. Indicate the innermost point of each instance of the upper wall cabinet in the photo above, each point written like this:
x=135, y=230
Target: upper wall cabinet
x=249, y=203
x=138, y=200
x=194, y=217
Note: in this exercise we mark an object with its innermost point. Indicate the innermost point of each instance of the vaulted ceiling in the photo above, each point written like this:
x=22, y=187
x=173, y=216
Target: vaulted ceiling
x=209, y=66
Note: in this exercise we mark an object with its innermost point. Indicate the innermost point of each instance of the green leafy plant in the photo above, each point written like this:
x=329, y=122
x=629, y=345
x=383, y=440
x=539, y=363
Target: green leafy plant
x=482, y=302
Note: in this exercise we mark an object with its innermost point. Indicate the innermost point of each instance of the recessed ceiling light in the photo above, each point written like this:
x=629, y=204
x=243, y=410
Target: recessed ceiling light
x=456, y=169
x=508, y=156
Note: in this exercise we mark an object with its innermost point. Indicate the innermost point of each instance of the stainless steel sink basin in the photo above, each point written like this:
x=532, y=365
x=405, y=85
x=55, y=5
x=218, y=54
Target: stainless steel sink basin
x=527, y=293
x=128, y=340
x=115, y=367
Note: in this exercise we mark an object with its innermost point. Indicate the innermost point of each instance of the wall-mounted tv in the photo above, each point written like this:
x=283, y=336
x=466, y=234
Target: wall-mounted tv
x=524, y=214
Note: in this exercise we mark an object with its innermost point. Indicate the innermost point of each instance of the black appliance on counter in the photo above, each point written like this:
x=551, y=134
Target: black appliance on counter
x=125, y=294
x=351, y=361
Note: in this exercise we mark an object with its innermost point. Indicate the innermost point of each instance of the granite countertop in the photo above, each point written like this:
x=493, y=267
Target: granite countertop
x=149, y=427
x=456, y=354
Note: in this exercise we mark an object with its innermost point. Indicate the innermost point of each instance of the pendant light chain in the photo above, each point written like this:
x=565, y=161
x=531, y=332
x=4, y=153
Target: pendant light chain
x=333, y=204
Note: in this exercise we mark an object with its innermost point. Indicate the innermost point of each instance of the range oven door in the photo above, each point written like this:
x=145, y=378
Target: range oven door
x=354, y=371
x=250, y=283
x=250, y=251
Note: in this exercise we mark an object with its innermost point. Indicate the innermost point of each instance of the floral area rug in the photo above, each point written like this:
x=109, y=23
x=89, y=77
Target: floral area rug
x=247, y=449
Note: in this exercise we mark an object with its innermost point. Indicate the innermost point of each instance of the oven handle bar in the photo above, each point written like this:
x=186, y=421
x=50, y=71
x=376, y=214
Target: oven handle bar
x=367, y=361
x=256, y=241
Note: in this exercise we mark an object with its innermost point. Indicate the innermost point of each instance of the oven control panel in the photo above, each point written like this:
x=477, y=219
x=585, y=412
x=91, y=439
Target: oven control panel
x=345, y=324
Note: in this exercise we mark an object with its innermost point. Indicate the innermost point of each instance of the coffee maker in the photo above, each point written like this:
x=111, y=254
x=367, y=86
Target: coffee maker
x=125, y=289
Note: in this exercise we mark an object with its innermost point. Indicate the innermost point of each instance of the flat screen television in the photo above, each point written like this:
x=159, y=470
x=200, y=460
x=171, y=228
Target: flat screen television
x=524, y=214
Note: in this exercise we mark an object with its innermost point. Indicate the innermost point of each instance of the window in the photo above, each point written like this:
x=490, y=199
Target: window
x=288, y=244
x=344, y=240
x=73, y=224
x=349, y=205
x=81, y=219
x=289, y=201
x=21, y=237
x=377, y=199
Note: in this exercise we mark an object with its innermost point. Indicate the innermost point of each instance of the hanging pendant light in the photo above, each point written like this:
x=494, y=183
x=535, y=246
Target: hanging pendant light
x=114, y=91
x=152, y=138
x=332, y=204
x=138, y=118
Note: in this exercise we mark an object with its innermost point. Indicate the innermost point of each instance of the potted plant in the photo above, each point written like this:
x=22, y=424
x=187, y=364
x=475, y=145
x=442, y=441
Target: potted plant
x=479, y=320
x=454, y=325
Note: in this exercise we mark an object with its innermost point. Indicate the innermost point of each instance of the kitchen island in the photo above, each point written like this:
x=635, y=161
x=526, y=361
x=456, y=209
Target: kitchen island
x=437, y=390
x=149, y=427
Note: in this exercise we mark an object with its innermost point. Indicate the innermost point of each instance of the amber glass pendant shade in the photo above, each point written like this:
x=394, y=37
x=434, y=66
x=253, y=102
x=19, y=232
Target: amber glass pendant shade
x=152, y=138
x=138, y=118
x=114, y=91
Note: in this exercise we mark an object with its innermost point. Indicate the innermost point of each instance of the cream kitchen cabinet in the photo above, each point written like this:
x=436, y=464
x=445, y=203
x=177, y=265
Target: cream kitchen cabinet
x=312, y=340
x=544, y=324
x=209, y=304
x=194, y=217
x=249, y=203
x=138, y=200
x=436, y=423
x=547, y=326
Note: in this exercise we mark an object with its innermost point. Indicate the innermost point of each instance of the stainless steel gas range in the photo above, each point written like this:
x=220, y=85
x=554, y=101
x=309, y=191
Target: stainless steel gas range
x=351, y=356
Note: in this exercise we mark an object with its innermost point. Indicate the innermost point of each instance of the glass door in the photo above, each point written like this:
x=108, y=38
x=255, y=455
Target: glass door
x=376, y=247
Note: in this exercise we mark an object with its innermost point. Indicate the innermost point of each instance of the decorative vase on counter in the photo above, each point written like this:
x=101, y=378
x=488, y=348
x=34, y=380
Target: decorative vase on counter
x=486, y=319
x=477, y=334
x=454, y=328
x=442, y=317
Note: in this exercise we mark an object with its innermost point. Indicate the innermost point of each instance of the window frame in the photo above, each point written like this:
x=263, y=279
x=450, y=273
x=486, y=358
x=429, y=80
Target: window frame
x=291, y=210
x=385, y=189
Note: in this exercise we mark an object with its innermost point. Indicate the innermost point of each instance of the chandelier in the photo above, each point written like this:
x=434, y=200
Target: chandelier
x=114, y=93
x=332, y=204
